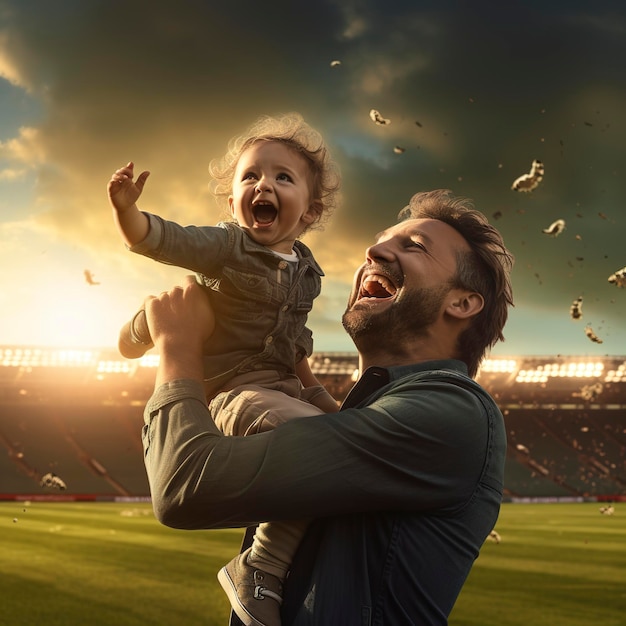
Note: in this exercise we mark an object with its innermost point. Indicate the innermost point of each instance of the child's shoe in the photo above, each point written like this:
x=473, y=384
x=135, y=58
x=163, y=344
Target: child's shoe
x=255, y=595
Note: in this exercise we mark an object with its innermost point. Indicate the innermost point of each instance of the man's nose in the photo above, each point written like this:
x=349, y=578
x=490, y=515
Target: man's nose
x=381, y=251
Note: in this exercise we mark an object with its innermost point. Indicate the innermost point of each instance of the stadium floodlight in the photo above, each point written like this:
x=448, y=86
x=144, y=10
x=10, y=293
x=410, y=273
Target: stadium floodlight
x=506, y=366
x=531, y=376
x=573, y=369
x=149, y=360
x=37, y=357
x=617, y=375
x=113, y=367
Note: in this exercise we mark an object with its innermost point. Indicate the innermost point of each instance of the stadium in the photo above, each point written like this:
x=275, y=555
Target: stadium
x=80, y=543
x=76, y=415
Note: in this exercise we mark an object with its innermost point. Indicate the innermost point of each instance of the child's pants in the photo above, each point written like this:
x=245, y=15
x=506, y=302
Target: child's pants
x=260, y=401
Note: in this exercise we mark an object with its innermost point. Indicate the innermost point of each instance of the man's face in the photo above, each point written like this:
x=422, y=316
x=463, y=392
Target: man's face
x=401, y=289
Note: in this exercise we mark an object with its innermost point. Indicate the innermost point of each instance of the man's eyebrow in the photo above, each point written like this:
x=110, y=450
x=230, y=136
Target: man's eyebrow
x=418, y=232
x=423, y=235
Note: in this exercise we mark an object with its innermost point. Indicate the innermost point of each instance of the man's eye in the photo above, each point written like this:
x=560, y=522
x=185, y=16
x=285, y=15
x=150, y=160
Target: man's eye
x=418, y=244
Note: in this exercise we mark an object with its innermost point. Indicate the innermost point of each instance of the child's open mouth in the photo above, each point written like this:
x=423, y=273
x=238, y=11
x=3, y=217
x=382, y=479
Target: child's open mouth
x=264, y=213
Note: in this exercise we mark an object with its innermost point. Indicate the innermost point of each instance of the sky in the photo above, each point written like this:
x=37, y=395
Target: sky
x=475, y=91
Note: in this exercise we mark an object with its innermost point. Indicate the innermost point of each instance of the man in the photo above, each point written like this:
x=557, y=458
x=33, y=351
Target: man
x=405, y=482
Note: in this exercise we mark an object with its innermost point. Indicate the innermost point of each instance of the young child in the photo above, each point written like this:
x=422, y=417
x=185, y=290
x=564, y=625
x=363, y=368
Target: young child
x=280, y=182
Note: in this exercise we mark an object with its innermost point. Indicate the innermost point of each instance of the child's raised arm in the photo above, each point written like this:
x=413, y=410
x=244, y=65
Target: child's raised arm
x=123, y=192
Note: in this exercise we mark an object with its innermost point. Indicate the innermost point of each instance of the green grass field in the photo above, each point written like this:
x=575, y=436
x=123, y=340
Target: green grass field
x=111, y=564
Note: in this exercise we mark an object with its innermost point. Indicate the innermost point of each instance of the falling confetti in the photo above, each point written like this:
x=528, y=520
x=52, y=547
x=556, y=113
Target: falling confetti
x=335, y=63
x=528, y=182
x=576, y=310
x=418, y=124
x=589, y=332
x=494, y=536
x=555, y=229
x=52, y=480
x=399, y=150
x=589, y=393
x=618, y=278
x=90, y=278
x=377, y=118
x=607, y=510
x=522, y=448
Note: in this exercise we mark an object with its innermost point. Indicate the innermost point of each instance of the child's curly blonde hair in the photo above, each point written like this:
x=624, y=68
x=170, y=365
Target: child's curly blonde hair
x=293, y=131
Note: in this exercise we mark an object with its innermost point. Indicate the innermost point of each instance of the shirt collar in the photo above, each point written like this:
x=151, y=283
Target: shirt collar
x=373, y=378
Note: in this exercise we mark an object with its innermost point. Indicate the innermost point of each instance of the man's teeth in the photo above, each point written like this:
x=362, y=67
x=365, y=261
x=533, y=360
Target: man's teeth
x=377, y=287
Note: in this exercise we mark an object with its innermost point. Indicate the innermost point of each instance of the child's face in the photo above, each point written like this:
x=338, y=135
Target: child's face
x=271, y=195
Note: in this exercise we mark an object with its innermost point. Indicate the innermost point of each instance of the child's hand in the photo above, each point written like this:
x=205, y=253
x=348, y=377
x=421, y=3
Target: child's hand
x=123, y=192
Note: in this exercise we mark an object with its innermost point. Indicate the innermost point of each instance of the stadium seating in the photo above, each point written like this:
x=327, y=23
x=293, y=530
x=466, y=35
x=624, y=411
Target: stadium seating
x=565, y=419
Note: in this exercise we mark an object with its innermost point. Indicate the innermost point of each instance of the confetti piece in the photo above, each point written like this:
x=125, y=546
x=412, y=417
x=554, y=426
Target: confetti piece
x=528, y=182
x=618, y=278
x=589, y=332
x=399, y=150
x=90, y=278
x=377, y=118
x=335, y=63
x=52, y=480
x=555, y=229
x=576, y=310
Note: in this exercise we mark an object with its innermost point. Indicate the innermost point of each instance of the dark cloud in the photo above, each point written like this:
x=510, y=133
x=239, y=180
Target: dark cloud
x=475, y=92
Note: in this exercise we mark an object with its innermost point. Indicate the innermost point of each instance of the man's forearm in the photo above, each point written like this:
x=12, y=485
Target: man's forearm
x=179, y=363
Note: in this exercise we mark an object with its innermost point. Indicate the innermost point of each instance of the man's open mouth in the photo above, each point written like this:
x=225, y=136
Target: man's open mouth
x=264, y=213
x=377, y=286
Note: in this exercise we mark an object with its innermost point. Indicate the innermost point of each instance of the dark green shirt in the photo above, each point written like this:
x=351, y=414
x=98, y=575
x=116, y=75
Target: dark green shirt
x=405, y=483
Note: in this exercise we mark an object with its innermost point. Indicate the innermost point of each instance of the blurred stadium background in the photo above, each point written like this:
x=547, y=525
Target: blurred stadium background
x=76, y=416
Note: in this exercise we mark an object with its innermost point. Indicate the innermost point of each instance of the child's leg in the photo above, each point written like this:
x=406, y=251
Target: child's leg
x=253, y=580
x=249, y=409
x=275, y=544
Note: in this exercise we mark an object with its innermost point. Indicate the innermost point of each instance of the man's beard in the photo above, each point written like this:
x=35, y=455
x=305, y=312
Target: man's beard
x=408, y=317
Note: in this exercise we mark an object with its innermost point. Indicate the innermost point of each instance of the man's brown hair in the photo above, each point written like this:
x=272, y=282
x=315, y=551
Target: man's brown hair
x=485, y=270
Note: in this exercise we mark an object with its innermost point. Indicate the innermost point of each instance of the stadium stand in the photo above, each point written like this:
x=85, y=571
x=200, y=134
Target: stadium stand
x=78, y=414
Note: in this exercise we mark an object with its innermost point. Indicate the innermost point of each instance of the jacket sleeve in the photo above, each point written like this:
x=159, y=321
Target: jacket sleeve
x=196, y=248
x=421, y=447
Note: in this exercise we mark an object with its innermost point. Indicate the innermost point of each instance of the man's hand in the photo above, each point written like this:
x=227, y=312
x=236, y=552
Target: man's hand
x=180, y=321
x=123, y=191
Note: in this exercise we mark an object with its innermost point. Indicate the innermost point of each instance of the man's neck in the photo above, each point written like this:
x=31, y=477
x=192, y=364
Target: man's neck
x=437, y=343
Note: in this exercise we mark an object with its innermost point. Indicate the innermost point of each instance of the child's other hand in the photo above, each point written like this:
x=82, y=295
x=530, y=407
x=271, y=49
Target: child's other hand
x=123, y=191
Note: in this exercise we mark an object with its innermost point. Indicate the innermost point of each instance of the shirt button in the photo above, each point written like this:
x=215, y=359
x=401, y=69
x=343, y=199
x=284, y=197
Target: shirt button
x=282, y=265
x=285, y=308
x=269, y=339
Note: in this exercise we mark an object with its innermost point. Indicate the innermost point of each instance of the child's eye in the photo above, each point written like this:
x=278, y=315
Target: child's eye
x=284, y=176
x=249, y=176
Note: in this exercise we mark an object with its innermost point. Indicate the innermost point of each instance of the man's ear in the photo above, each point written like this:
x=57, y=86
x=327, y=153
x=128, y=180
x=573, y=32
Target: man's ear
x=465, y=304
x=313, y=213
